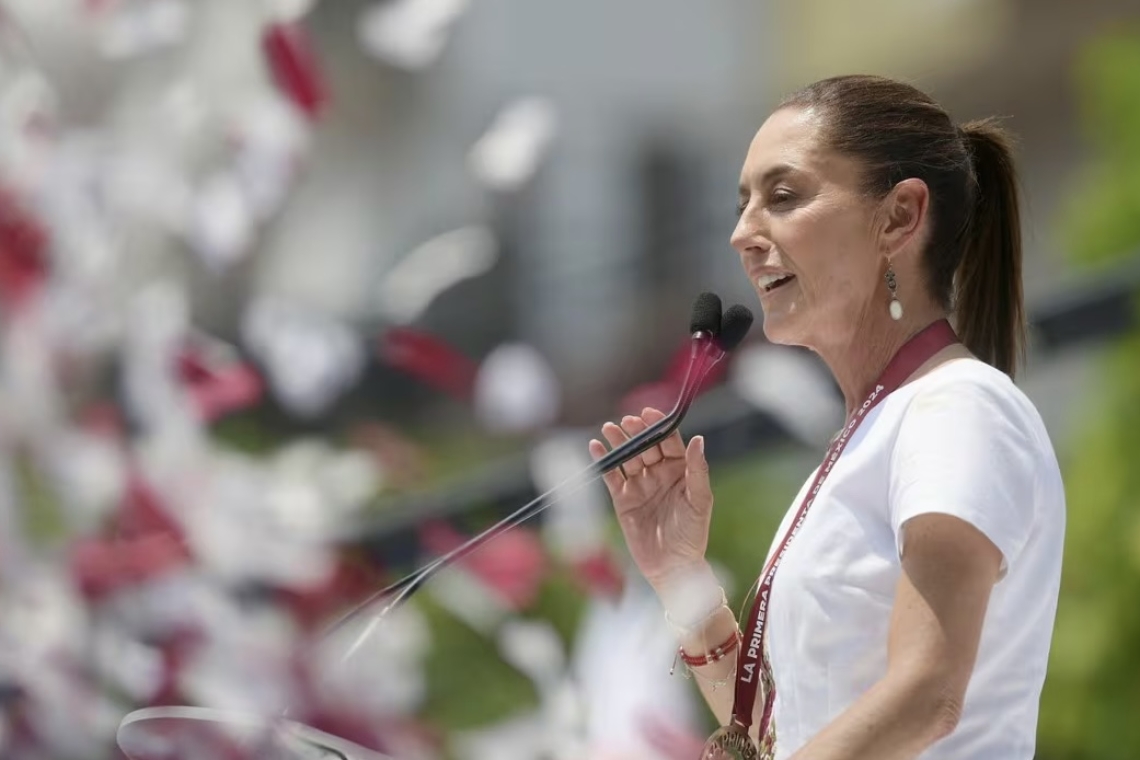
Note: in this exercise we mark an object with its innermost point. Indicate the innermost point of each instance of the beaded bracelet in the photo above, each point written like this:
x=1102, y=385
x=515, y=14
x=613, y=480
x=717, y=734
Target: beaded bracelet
x=717, y=654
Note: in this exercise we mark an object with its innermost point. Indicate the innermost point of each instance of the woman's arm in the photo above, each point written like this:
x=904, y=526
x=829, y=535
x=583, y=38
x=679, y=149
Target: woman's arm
x=949, y=569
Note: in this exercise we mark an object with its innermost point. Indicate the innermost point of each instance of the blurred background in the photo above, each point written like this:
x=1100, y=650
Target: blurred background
x=295, y=296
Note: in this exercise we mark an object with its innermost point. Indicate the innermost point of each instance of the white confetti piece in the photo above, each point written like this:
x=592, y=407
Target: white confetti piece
x=508, y=155
x=417, y=280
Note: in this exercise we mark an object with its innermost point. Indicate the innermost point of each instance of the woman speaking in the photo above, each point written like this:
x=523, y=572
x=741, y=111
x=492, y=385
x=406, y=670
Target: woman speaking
x=906, y=605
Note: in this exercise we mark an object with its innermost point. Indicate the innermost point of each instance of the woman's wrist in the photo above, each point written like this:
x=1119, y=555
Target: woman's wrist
x=709, y=653
x=697, y=610
x=690, y=595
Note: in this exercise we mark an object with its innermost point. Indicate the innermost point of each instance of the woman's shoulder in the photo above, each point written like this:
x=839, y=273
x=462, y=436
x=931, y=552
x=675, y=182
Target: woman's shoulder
x=966, y=373
x=978, y=392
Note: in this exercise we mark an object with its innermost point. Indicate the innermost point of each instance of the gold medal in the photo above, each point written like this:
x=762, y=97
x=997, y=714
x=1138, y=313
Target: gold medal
x=730, y=743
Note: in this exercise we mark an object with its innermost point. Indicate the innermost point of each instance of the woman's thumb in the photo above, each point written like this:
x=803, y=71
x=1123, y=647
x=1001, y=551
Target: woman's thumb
x=697, y=474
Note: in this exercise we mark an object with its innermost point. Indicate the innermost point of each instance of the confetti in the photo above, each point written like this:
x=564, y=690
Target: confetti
x=137, y=27
x=516, y=390
x=509, y=154
x=310, y=358
x=293, y=63
x=418, y=279
x=410, y=34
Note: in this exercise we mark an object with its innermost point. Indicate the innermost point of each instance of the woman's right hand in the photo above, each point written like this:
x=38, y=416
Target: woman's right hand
x=663, y=500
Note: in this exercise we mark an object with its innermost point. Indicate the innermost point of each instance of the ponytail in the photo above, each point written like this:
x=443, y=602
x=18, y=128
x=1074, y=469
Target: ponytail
x=987, y=292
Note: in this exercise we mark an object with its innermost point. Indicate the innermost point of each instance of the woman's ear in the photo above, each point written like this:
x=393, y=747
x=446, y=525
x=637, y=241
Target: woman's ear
x=903, y=214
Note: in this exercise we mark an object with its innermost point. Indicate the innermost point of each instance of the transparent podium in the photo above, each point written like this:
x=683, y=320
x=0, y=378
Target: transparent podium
x=200, y=733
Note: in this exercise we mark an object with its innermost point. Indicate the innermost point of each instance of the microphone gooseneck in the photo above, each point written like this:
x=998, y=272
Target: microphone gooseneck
x=713, y=337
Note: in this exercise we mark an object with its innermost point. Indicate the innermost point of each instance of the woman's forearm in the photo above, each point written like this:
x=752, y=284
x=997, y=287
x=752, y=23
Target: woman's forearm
x=896, y=719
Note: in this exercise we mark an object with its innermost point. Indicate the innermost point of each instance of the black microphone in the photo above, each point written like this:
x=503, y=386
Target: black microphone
x=714, y=336
x=705, y=316
x=735, y=324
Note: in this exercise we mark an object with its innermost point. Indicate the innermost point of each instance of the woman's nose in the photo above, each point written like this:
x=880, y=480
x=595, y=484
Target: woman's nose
x=749, y=235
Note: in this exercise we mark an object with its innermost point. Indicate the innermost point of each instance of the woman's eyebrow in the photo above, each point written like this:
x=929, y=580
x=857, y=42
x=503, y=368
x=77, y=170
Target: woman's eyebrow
x=770, y=174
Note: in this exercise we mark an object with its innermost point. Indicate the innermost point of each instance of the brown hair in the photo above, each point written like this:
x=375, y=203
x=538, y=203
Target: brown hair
x=973, y=255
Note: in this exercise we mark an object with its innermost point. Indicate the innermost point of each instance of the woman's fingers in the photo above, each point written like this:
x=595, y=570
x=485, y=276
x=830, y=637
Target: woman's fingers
x=672, y=446
x=697, y=485
x=616, y=437
x=614, y=478
x=634, y=425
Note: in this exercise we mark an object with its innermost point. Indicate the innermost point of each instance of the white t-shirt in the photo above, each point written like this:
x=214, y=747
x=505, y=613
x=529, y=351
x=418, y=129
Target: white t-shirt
x=961, y=440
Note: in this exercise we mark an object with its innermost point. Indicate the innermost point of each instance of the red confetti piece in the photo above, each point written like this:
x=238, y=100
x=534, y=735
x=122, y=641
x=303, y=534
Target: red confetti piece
x=23, y=255
x=238, y=387
x=220, y=387
x=349, y=582
x=599, y=573
x=145, y=543
x=103, y=419
x=293, y=64
x=101, y=567
x=431, y=360
x=513, y=566
x=143, y=513
x=671, y=742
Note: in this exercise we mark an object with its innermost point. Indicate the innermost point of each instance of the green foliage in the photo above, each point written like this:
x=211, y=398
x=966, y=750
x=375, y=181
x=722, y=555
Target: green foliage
x=43, y=521
x=1103, y=220
x=469, y=685
x=1092, y=696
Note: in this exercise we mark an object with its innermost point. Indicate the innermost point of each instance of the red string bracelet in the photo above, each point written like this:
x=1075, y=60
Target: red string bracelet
x=715, y=655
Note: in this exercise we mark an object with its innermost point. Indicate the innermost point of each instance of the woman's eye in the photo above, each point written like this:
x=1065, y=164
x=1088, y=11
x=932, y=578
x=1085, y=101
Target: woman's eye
x=741, y=206
x=781, y=196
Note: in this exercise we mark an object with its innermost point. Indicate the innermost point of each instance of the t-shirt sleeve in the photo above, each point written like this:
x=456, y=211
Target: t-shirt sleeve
x=965, y=449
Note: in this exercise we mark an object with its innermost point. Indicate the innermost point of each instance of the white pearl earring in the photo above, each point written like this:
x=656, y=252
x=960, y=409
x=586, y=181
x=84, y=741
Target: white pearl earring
x=893, y=286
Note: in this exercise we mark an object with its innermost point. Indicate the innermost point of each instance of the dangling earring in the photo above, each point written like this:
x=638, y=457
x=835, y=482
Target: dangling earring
x=896, y=304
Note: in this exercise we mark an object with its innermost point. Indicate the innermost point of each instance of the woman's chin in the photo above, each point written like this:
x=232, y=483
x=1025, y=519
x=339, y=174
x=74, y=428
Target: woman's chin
x=780, y=328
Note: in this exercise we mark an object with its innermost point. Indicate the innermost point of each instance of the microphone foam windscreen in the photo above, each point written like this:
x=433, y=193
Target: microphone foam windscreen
x=706, y=314
x=735, y=325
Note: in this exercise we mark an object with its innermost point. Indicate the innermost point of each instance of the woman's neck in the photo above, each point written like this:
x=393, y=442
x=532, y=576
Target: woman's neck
x=856, y=363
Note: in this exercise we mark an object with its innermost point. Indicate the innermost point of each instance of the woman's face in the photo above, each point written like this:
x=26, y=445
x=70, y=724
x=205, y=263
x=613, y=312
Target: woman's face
x=806, y=235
